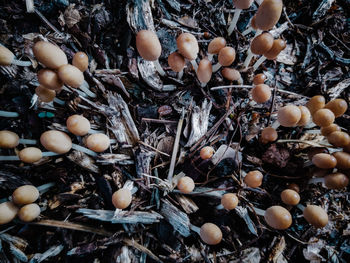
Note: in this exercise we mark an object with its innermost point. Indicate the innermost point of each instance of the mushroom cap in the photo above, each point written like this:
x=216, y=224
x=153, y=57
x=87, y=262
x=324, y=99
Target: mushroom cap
x=122, y=198
x=81, y=61
x=325, y=131
x=187, y=45
x=204, y=71
x=253, y=23
x=78, y=125
x=25, y=194
x=231, y=74
x=8, y=139
x=324, y=161
x=226, y=56
x=176, y=62
x=346, y=148
x=44, y=94
x=49, y=79
x=259, y=79
x=8, y=212
x=316, y=216
x=337, y=106
x=261, y=93
x=323, y=117
x=148, y=45
x=294, y=186
x=269, y=134
x=98, y=142
x=316, y=103
x=206, y=152
x=262, y=43
x=336, y=181
x=290, y=197
x=56, y=141
x=229, y=201
x=268, y=14
x=29, y=212
x=185, y=184
x=6, y=56
x=277, y=46
x=278, y=217
x=71, y=75
x=305, y=116
x=49, y=54
x=253, y=179
x=210, y=234
x=289, y=116
x=338, y=138
x=242, y=4
x=30, y=155
x=312, y=151
x=343, y=160
x=216, y=45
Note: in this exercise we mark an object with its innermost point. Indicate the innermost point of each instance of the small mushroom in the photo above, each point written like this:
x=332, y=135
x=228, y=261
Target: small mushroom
x=324, y=161
x=278, y=217
x=268, y=14
x=294, y=186
x=188, y=47
x=49, y=55
x=177, y=63
x=316, y=216
x=7, y=58
x=56, y=141
x=78, y=125
x=215, y=46
x=323, y=117
x=226, y=57
x=210, y=234
x=305, y=116
x=121, y=199
x=316, y=103
x=289, y=116
x=206, y=152
x=337, y=106
x=259, y=45
x=25, y=194
x=253, y=179
x=338, y=138
x=29, y=213
x=31, y=155
x=81, y=61
x=9, y=139
x=239, y=6
x=327, y=130
x=185, y=185
x=290, y=197
x=261, y=93
x=343, y=160
x=269, y=134
x=232, y=75
x=259, y=79
x=8, y=212
x=277, y=47
x=204, y=72
x=97, y=142
x=49, y=79
x=44, y=94
x=229, y=201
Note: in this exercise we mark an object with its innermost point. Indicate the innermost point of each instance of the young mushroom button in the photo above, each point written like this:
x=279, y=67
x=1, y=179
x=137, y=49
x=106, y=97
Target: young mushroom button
x=56, y=141
x=226, y=57
x=232, y=75
x=44, y=94
x=316, y=216
x=204, y=72
x=268, y=14
x=29, y=212
x=8, y=212
x=261, y=93
x=49, y=55
x=336, y=181
x=121, y=199
x=7, y=58
x=325, y=131
x=338, y=138
x=98, y=142
x=343, y=160
x=253, y=179
x=315, y=103
x=290, y=197
x=188, y=47
x=305, y=116
x=215, y=46
x=259, y=46
x=185, y=184
x=324, y=161
x=229, y=201
x=206, y=152
x=337, y=106
x=289, y=116
x=176, y=62
x=25, y=194
x=49, y=79
x=259, y=79
x=30, y=155
x=71, y=75
x=269, y=134
x=8, y=139
x=81, y=61
x=278, y=217
x=210, y=234
x=323, y=117
x=78, y=125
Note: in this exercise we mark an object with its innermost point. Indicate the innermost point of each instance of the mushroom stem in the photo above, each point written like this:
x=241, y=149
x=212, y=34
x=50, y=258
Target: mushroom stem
x=210, y=56
x=259, y=62
x=259, y=211
x=58, y=101
x=83, y=149
x=8, y=114
x=30, y=6
x=216, y=67
x=85, y=87
x=159, y=68
x=275, y=125
x=9, y=158
x=220, y=206
x=301, y=207
x=180, y=74
x=247, y=31
x=194, y=64
x=45, y=187
x=250, y=55
x=232, y=86
x=27, y=141
x=195, y=229
x=316, y=180
x=203, y=84
x=21, y=63
x=76, y=90
x=234, y=21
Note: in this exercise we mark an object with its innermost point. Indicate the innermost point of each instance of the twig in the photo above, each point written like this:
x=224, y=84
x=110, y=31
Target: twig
x=158, y=121
x=154, y=149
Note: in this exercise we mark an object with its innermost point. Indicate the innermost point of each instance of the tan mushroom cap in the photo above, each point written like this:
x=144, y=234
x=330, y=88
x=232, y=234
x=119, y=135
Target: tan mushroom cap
x=229, y=201
x=294, y=186
x=78, y=125
x=210, y=234
x=259, y=79
x=323, y=117
x=226, y=56
x=316, y=103
x=262, y=43
x=268, y=14
x=242, y=4
x=278, y=217
x=187, y=45
x=216, y=45
x=253, y=23
x=269, y=134
x=81, y=61
x=50, y=55
x=25, y=194
x=290, y=197
x=305, y=116
x=176, y=62
x=261, y=93
x=71, y=75
x=8, y=139
x=6, y=56
x=346, y=148
x=185, y=185
x=316, y=216
x=325, y=131
x=206, y=152
x=56, y=141
x=8, y=212
x=343, y=160
x=29, y=213
x=49, y=79
x=148, y=45
x=338, y=138
x=30, y=155
x=337, y=106
x=122, y=198
x=277, y=46
x=204, y=71
x=44, y=94
x=98, y=142
x=289, y=116
x=336, y=181
x=231, y=74
x=253, y=179
x=324, y=161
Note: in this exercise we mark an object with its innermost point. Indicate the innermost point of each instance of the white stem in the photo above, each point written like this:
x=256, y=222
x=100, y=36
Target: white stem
x=9, y=158
x=180, y=74
x=78, y=91
x=159, y=68
x=194, y=64
x=47, y=154
x=83, y=149
x=232, y=86
x=250, y=55
x=111, y=141
x=316, y=180
x=21, y=63
x=219, y=207
x=301, y=207
x=234, y=21
x=85, y=87
x=275, y=125
x=58, y=101
x=203, y=84
x=8, y=114
x=257, y=32
x=91, y=131
x=247, y=31
x=216, y=67
x=240, y=81
x=259, y=62
x=210, y=57
x=195, y=228
x=259, y=211
x=30, y=6
x=27, y=141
